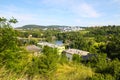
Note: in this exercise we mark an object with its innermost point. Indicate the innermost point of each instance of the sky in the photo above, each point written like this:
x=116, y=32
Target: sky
x=62, y=12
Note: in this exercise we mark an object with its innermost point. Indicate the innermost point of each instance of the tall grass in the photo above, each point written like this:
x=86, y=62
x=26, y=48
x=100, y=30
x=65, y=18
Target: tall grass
x=64, y=72
x=72, y=72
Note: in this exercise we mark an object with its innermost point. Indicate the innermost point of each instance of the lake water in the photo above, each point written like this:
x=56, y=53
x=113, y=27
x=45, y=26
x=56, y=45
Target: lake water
x=59, y=42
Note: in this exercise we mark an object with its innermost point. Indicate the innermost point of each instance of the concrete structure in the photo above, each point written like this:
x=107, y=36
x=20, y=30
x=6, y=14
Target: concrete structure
x=60, y=48
x=69, y=53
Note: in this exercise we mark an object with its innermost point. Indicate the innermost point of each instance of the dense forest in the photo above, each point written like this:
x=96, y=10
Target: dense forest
x=16, y=63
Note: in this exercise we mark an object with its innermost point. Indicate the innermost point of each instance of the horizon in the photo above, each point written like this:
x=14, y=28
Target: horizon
x=63, y=12
x=65, y=25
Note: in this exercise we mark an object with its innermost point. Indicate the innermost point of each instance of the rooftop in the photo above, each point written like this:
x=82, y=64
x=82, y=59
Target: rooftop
x=76, y=51
x=48, y=44
x=33, y=48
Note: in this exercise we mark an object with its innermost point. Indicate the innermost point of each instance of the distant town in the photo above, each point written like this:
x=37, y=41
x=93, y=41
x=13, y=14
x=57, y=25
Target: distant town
x=61, y=28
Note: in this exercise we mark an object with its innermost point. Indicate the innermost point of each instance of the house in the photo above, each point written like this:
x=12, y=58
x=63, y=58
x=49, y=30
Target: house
x=60, y=48
x=33, y=49
x=69, y=53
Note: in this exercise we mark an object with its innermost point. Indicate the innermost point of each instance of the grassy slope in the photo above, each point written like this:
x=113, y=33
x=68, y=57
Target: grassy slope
x=64, y=72
x=73, y=72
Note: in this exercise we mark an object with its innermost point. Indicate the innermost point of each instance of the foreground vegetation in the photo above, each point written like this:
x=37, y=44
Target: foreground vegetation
x=18, y=64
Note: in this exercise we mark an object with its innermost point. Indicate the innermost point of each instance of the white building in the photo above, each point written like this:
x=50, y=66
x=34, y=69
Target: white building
x=60, y=48
x=72, y=28
x=69, y=53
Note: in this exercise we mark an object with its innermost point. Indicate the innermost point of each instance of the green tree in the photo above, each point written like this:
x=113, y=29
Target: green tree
x=102, y=77
x=7, y=34
x=11, y=56
x=76, y=58
x=113, y=47
x=63, y=58
x=45, y=64
x=114, y=69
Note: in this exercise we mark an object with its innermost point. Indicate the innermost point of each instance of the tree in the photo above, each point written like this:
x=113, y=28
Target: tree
x=102, y=77
x=76, y=58
x=44, y=64
x=63, y=58
x=113, y=47
x=7, y=34
x=8, y=40
x=11, y=56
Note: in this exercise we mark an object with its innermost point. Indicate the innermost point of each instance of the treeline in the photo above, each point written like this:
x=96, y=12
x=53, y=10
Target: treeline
x=110, y=36
x=104, y=42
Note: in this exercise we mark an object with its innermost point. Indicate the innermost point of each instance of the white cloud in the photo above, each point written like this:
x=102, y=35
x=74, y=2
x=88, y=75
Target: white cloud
x=86, y=10
x=20, y=14
x=78, y=7
x=22, y=18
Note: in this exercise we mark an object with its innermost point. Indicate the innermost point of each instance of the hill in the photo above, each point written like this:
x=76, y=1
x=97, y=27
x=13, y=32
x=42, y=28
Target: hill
x=31, y=26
